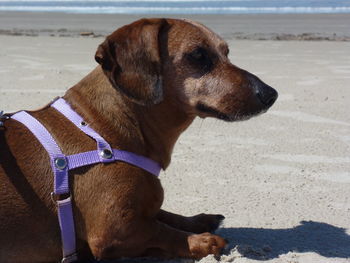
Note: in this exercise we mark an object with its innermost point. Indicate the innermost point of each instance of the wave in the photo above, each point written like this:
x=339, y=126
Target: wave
x=176, y=10
x=121, y=1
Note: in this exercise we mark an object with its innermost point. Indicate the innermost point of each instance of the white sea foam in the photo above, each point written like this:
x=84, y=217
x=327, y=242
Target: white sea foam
x=126, y=1
x=174, y=10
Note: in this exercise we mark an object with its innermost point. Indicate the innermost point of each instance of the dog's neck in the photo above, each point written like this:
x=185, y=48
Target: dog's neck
x=149, y=131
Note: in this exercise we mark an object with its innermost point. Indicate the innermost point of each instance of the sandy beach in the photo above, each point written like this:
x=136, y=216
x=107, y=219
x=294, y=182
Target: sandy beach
x=240, y=26
x=282, y=180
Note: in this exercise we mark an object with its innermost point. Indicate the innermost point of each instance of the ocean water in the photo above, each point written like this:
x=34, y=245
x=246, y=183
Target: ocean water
x=179, y=6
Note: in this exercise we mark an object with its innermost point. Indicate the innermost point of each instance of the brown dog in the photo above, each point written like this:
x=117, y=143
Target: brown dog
x=155, y=76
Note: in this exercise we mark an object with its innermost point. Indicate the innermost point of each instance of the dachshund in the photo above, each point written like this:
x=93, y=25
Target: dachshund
x=153, y=78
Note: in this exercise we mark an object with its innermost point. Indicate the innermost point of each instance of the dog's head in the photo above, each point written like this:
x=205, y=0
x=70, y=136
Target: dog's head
x=180, y=61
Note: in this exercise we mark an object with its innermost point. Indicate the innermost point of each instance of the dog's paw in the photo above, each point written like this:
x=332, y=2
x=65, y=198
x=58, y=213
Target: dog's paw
x=204, y=244
x=205, y=223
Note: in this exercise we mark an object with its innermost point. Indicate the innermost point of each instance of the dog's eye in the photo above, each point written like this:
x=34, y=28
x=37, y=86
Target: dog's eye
x=200, y=59
x=198, y=54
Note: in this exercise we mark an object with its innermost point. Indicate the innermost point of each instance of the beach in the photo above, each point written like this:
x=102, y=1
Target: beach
x=238, y=26
x=282, y=179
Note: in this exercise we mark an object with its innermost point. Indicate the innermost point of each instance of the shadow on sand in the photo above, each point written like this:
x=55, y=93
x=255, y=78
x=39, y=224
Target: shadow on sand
x=309, y=236
x=264, y=244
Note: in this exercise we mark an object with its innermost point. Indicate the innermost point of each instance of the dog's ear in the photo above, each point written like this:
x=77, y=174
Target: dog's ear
x=130, y=58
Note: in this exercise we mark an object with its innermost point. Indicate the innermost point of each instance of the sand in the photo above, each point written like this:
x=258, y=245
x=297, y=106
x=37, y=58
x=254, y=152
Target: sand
x=256, y=27
x=281, y=179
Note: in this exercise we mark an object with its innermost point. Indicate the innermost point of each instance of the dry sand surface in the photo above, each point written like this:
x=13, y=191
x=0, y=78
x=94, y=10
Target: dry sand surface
x=282, y=179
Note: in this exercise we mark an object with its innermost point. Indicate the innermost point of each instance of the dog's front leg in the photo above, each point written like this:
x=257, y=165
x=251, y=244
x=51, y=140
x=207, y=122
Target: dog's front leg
x=171, y=242
x=196, y=224
x=154, y=238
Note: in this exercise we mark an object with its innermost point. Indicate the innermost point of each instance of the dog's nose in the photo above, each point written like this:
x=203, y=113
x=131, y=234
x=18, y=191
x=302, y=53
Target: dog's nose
x=266, y=94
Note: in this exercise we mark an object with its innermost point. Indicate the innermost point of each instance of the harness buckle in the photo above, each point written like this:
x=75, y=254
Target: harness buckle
x=69, y=259
x=106, y=154
x=59, y=197
x=60, y=163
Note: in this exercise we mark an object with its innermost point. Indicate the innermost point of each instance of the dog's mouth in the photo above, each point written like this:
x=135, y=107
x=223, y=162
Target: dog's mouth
x=237, y=116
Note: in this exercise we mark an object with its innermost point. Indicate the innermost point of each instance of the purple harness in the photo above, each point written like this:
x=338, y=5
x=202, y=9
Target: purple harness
x=61, y=164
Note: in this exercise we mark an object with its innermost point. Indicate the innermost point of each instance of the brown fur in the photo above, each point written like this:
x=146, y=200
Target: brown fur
x=146, y=91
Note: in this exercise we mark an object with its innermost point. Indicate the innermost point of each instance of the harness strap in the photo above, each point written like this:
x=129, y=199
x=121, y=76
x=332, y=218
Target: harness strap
x=65, y=109
x=61, y=164
x=92, y=157
x=39, y=131
x=61, y=183
x=104, y=151
x=66, y=222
